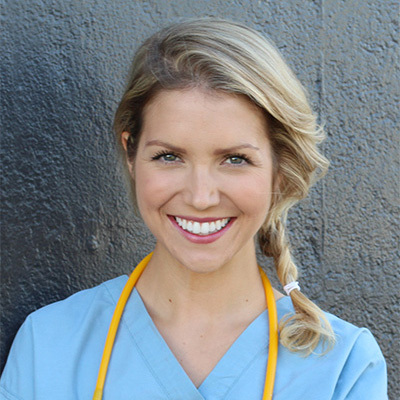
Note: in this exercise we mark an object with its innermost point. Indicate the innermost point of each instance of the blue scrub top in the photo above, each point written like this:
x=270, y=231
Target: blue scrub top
x=57, y=351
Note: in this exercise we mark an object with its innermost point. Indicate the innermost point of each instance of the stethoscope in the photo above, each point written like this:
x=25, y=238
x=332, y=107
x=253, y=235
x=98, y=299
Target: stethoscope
x=112, y=331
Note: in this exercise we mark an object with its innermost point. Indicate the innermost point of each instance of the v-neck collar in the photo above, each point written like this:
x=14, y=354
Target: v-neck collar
x=251, y=344
x=168, y=372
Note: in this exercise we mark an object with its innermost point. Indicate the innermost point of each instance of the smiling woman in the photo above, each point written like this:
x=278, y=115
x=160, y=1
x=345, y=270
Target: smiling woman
x=219, y=142
x=188, y=167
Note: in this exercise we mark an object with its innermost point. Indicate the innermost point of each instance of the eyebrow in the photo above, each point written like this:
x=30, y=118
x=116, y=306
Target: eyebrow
x=235, y=148
x=157, y=142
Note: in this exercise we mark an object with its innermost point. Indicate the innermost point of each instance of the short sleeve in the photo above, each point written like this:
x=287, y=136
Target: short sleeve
x=4, y=395
x=16, y=382
x=364, y=373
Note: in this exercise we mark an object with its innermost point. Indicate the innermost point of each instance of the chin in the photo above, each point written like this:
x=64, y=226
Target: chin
x=204, y=263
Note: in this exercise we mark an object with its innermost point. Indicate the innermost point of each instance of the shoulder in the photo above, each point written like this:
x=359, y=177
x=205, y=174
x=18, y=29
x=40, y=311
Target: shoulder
x=362, y=365
x=347, y=334
x=355, y=366
x=349, y=338
x=77, y=306
x=54, y=340
x=74, y=312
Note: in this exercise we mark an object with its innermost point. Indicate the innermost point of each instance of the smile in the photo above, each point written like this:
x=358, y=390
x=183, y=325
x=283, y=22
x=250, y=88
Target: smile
x=202, y=228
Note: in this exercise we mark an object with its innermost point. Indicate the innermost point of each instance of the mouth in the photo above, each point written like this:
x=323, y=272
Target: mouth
x=202, y=228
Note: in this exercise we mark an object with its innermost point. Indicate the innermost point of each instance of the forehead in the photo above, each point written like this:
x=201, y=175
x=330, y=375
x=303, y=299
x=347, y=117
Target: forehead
x=200, y=95
x=205, y=113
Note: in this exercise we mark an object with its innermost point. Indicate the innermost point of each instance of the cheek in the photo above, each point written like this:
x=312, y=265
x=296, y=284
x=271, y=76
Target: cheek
x=253, y=194
x=153, y=188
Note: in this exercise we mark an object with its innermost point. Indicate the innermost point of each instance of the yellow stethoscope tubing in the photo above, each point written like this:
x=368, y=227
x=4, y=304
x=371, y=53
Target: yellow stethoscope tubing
x=112, y=331
x=273, y=337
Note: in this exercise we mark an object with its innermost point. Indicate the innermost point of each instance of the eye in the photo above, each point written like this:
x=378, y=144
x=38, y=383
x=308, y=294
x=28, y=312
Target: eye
x=169, y=157
x=166, y=156
x=237, y=159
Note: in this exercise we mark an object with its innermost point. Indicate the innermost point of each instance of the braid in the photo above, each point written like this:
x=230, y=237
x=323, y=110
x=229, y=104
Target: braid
x=303, y=330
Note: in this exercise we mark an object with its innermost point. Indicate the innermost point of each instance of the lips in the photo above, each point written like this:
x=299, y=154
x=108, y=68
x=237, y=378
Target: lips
x=215, y=228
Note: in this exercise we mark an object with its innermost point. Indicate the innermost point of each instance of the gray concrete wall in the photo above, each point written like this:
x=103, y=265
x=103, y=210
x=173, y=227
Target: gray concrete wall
x=67, y=219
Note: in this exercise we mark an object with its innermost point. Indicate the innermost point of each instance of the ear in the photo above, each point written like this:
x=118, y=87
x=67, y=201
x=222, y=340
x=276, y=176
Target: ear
x=124, y=141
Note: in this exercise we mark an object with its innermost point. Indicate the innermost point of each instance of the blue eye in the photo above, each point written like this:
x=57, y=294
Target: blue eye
x=166, y=157
x=237, y=159
x=169, y=157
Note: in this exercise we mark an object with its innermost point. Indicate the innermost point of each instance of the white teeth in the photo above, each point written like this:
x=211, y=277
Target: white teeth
x=204, y=228
x=196, y=228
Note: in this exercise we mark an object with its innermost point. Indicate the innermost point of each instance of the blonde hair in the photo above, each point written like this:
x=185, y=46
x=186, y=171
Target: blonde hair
x=225, y=56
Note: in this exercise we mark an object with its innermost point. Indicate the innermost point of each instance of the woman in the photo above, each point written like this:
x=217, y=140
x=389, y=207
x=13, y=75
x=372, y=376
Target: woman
x=219, y=142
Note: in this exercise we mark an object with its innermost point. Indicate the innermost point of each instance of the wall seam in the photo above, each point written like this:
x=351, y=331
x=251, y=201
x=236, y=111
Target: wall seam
x=322, y=115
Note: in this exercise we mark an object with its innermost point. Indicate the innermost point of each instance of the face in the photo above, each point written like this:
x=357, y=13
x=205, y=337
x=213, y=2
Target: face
x=203, y=174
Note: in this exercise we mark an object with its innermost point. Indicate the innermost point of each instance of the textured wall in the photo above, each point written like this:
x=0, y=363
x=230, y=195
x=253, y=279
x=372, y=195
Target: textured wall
x=67, y=220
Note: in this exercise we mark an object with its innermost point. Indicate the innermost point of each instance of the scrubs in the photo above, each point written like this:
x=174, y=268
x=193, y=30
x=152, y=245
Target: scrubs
x=57, y=351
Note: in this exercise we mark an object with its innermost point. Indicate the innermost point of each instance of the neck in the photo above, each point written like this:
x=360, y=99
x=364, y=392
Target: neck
x=172, y=291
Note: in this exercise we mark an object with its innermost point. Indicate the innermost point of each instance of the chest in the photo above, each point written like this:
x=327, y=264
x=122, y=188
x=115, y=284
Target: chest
x=198, y=348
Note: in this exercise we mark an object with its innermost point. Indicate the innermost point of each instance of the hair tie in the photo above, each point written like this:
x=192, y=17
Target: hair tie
x=291, y=286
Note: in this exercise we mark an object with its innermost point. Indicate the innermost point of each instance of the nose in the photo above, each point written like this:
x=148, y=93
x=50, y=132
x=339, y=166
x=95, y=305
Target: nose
x=201, y=188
